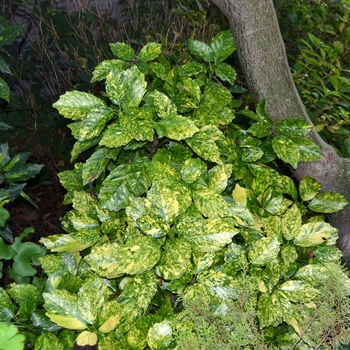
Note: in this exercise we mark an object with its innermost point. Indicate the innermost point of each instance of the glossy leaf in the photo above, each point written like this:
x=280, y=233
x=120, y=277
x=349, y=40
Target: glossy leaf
x=192, y=169
x=71, y=242
x=314, y=233
x=218, y=233
x=264, y=251
x=222, y=45
x=76, y=104
x=122, y=313
x=309, y=151
x=123, y=51
x=299, y=291
x=202, y=144
x=294, y=127
x=160, y=336
x=308, y=188
x=138, y=123
x=291, y=223
x=176, y=128
x=114, y=260
x=225, y=72
x=218, y=176
x=201, y=50
x=164, y=106
x=126, y=88
x=92, y=124
x=286, y=150
x=115, y=136
x=176, y=259
x=211, y=204
x=103, y=69
x=328, y=202
x=150, y=51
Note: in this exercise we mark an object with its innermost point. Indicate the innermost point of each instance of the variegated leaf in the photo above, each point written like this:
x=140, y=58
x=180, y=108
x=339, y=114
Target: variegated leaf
x=114, y=260
x=308, y=188
x=313, y=233
x=126, y=88
x=328, y=202
x=150, y=51
x=76, y=104
x=264, y=251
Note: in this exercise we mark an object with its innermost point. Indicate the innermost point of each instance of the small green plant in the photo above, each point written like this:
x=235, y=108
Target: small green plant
x=24, y=256
x=9, y=339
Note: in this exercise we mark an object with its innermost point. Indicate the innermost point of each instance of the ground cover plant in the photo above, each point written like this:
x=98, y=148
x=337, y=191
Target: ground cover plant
x=180, y=210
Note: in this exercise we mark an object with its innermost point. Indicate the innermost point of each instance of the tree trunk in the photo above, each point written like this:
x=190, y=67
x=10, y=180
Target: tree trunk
x=264, y=63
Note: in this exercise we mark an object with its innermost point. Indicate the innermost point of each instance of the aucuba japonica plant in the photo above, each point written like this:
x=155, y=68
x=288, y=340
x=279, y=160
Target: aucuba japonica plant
x=177, y=203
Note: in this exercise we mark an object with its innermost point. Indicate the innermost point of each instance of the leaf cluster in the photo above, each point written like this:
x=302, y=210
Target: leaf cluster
x=318, y=37
x=178, y=206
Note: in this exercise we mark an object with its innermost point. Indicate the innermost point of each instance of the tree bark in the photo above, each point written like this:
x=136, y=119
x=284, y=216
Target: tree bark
x=264, y=64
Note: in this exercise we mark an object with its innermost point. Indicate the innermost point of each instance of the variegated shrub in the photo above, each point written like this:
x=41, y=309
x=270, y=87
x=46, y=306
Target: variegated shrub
x=177, y=202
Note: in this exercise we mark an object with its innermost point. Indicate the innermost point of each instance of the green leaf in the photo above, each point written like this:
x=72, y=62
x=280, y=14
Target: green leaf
x=126, y=88
x=92, y=124
x=62, y=308
x=114, y=260
x=286, y=150
x=4, y=68
x=121, y=184
x=264, y=251
x=27, y=296
x=4, y=90
x=150, y=51
x=115, y=136
x=203, y=144
x=260, y=129
x=299, y=291
x=176, y=259
x=176, y=127
x=222, y=45
x=94, y=166
x=192, y=169
x=252, y=154
x=225, y=72
x=138, y=123
x=164, y=106
x=4, y=215
x=123, y=312
x=122, y=50
x=210, y=204
x=71, y=242
x=218, y=234
x=169, y=201
x=294, y=127
x=47, y=340
x=152, y=225
x=76, y=104
x=201, y=50
x=291, y=222
x=328, y=202
x=9, y=339
x=309, y=151
x=191, y=68
x=160, y=336
x=218, y=176
x=308, y=188
x=313, y=233
x=103, y=69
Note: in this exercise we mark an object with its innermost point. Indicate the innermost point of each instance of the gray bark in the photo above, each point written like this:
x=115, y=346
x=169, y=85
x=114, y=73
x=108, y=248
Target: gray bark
x=264, y=63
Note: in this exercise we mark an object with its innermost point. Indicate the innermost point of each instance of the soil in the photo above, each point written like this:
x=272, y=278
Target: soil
x=45, y=219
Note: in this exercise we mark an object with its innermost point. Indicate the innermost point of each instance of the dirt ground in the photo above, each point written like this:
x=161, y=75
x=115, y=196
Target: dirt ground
x=46, y=218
